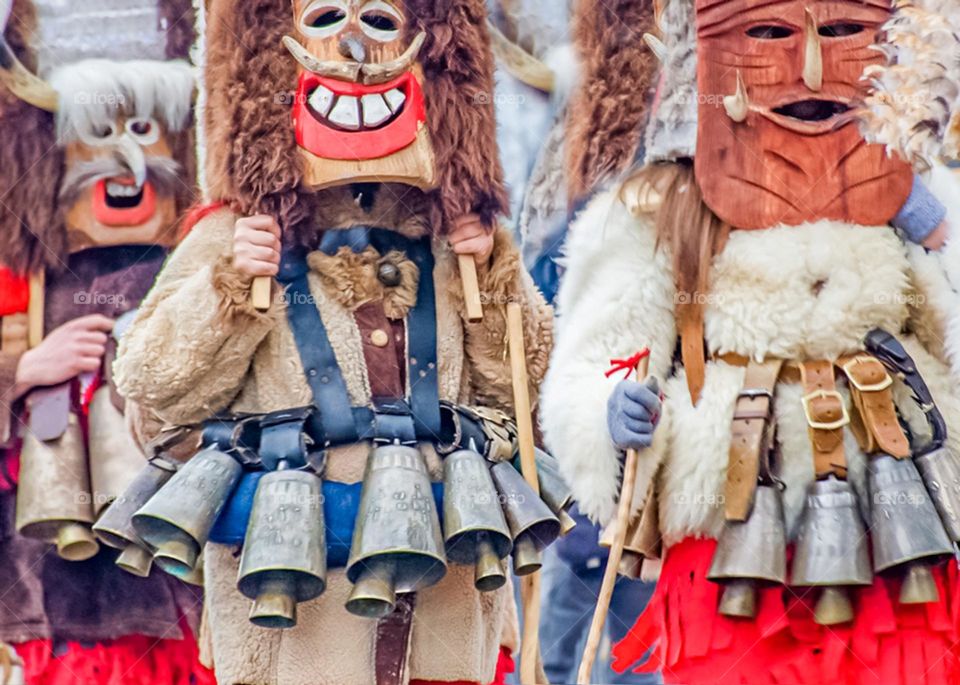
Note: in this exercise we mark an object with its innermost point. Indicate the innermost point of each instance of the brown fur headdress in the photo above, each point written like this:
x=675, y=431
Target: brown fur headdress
x=252, y=159
x=607, y=111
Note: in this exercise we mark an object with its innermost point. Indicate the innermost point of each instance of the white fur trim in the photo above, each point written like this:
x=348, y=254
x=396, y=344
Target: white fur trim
x=93, y=92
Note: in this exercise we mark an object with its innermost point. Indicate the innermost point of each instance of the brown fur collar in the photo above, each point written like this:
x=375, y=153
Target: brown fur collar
x=252, y=157
x=607, y=113
x=31, y=230
x=350, y=278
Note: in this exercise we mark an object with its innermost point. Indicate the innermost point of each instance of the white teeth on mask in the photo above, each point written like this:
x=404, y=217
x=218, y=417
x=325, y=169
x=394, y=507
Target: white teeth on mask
x=375, y=110
x=346, y=113
x=395, y=98
x=321, y=100
x=121, y=190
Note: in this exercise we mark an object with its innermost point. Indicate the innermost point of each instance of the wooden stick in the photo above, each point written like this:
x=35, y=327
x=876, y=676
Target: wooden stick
x=35, y=307
x=530, y=585
x=260, y=293
x=471, y=287
x=616, y=553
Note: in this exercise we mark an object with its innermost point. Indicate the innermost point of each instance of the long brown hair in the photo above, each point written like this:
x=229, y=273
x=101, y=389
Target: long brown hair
x=693, y=235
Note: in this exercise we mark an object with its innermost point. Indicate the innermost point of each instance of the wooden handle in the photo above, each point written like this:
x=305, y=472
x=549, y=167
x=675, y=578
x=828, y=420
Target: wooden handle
x=616, y=554
x=530, y=585
x=35, y=308
x=260, y=293
x=471, y=287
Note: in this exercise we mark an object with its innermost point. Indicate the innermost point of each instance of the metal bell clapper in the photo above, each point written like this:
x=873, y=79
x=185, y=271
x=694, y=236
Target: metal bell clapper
x=532, y=525
x=475, y=530
x=751, y=553
x=54, y=499
x=831, y=549
x=906, y=530
x=284, y=558
x=397, y=543
x=115, y=526
x=176, y=522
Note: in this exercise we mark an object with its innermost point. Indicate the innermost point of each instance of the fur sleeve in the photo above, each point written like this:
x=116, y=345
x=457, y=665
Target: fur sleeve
x=504, y=281
x=616, y=298
x=187, y=353
x=935, y=307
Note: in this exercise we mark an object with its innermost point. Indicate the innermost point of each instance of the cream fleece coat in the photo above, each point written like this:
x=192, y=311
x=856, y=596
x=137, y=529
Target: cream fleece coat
x=804, y=292
x=197, y=348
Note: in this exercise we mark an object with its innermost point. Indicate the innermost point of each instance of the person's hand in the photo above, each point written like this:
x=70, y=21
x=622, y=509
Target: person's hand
x=256, y=246
x=470, y=237
x=633, y=412
x=74, y=348
x=938, y=238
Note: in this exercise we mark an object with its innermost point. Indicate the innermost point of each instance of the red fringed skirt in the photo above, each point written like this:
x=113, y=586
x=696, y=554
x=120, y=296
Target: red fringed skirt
x=129, y=660
x=886, y=644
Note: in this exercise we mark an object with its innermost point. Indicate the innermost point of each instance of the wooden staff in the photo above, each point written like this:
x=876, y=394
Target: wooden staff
x=35, y=308
x=471, y=287
x=616, y=552
x=260, y=293
x=530, y=584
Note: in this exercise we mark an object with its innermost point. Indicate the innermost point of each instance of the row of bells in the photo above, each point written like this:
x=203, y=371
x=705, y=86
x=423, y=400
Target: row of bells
x=490, y=512
x=66, y=483
x=914, y=521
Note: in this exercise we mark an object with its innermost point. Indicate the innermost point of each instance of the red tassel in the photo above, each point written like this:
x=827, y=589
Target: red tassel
x=14, y=293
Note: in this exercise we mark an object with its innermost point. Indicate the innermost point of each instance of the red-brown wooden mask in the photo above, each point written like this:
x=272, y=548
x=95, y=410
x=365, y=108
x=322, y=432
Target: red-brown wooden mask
x=777, y=140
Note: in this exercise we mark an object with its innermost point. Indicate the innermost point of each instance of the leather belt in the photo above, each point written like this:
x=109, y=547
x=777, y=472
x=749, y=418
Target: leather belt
x=392, y=645
x=752, y=437
x=826, y=416
x=875, y=423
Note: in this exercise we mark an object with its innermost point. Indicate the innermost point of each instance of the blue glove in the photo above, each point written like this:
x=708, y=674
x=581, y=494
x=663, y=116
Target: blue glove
x=633, y=412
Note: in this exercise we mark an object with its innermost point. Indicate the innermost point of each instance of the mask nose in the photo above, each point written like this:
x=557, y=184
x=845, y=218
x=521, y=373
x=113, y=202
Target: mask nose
x=351, y=47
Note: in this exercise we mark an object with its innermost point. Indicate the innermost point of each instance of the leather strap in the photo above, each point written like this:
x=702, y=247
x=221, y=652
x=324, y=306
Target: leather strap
x=283, y=438
x=751, y=438
x=393, y=642
x=875, y=421
x=692, y=352
x=898, y=361
x=13, y=333
x=826, y=416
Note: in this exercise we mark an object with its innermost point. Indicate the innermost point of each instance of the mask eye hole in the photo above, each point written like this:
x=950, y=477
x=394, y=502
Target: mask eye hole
x=99, y=134
x=144, y=130
x=323, y=18
x=841, y=30
x=380, y=21
x=770, y=32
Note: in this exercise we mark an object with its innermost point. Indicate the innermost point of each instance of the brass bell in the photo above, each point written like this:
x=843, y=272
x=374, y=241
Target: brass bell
x=906, y=531
x=115, y=459
x=54, y=502
x=284, y=558
x=532, y=525
x=751, y=553
x=195, y=575
x=475, y=530
x=831, y=550
x=115, y=529
x=176, y=522
x=940, y=470
x=554, y=490
x=397, y=544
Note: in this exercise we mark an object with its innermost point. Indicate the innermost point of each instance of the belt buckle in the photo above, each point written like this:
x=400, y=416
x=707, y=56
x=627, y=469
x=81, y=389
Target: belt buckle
x=868, y=387
x=821, y=425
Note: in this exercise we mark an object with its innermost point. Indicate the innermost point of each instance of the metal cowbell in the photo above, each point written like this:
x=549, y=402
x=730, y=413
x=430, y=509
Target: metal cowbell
x=475, y=530
x=751, y=553
x=176, y=522
x=115, y=528
x=831, y=549
x=533, y=526
x=54, y=502
x=397, y=543
x=284, y=558
x=906, y=530
x=115, y=459
x=940, y=470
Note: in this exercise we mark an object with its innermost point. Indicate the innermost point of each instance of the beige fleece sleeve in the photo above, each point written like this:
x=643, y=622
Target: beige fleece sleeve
x=188, y=352
x=8, y=377
x=502, y=282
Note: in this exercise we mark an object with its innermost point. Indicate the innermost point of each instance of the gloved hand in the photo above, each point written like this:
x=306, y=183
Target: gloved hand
x=633, y=412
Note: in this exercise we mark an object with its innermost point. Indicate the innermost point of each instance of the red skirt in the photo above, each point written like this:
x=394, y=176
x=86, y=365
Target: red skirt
x=886, y=644
x=129, y=660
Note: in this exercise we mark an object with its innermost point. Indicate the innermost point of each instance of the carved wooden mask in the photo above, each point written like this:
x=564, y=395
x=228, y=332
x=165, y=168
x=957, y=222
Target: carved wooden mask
x=119, y=186
x=778, y=85
x=359, y=113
